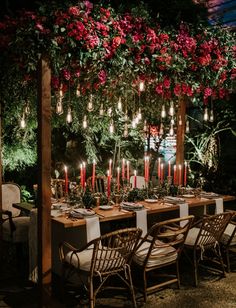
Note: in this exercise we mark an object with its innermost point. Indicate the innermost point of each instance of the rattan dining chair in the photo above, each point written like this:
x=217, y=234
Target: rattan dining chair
x=160, y=248
x=203, y=240
x=103, y=258
x=228, y=242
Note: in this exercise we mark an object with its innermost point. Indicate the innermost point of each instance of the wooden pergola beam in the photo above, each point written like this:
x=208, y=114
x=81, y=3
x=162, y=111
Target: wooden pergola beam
x=44, y=181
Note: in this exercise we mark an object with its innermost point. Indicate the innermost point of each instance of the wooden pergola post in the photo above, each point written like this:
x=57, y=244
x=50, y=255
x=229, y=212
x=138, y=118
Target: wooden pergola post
x=44, y=182
x=0, y=176
x=181, y=114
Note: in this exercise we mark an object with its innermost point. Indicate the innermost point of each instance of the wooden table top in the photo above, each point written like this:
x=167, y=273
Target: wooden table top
x=116, y=213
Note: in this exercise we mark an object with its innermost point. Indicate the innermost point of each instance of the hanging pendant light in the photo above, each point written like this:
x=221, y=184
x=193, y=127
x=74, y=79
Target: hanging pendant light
x=111, y=127
x=211, y=116
x=27, y=108
x=126, y=115
x=161, y=131
x=171, y=132
x=90, y=104
x=119, y=104
x=180, y=121
x=205, y=115
x=126, y=131
x=172, y=109
x=78, y=91
x=59, y=106
x=163, y=111
x=101, y=110
x=187, y=130
x=141, y=86
x=85, y=122
x=109, y=111
x=172, y=121
x=22, y=122
x=139, y=116
x=69, y=115
x=145, y=126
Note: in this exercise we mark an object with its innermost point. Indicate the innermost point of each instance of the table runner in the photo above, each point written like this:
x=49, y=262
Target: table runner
x=92, y=228
x=141, y=220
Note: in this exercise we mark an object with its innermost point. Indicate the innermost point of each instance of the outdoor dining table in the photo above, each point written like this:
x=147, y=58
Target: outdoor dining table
x=73, y=230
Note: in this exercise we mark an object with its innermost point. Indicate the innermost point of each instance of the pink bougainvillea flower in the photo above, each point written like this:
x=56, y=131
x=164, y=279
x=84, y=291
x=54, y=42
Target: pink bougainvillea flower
x=166, y=82
x=177, y=89
x=77, y=73
x=159, y=88
x=88, y=5
x=66, y=74
x=39, y=26
x=74, y=10
x=207, y=92
x=102, y=76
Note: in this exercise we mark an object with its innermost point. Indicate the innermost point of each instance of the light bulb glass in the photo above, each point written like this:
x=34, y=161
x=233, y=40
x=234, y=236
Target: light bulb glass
x=161, y=131
x=187, y=127
x=126, y=131
x=211, y=116
x=141, y=86
x=59, y=107
x=171, y=133
x=22, y=122
x=163, y=111
x=90, y=104
x=85, y=122
x=180, y=121
x=172, y=109
x=111, y=128
x=69, y=116
x=101, y=110
x=145, y=126
x=109, y=112
x=139, y=114
x=205, y=115
x=119, y=104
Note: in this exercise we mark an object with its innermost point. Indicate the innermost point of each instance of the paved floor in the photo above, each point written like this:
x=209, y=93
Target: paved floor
x=213, y=292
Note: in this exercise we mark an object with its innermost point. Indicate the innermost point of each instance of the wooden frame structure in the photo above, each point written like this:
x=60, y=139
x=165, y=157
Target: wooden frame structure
x=44, y=175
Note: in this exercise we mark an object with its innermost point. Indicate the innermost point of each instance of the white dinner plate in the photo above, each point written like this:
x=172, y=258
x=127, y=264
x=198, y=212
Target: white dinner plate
x=105, y=207
x=188, y=196
x=150, y=200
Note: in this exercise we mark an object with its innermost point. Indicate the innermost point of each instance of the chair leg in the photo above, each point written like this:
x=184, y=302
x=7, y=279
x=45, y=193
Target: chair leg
x=195, y=268
x=177, y=274
x=221, y=262
x=91, y=294
x=227, y=260
x=131, y=288
x=144, y=286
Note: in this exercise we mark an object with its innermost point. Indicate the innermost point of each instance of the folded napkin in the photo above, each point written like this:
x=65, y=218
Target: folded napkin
x=183, y=211
x=92, y=228
x=219, y=206
x=141, y=220
x=131, y=206
x=174, y=200
x=209, y=195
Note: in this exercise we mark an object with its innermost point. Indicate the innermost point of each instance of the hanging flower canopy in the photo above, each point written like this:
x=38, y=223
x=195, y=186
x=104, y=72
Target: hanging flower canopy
x=95, y=49
x=99, y=54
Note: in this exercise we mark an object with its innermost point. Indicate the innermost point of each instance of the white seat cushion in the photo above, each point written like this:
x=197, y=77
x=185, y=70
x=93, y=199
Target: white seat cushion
x=227, y=234
x=20, y=234
x=82, y=260
x=159, y=255
x=192, y=236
